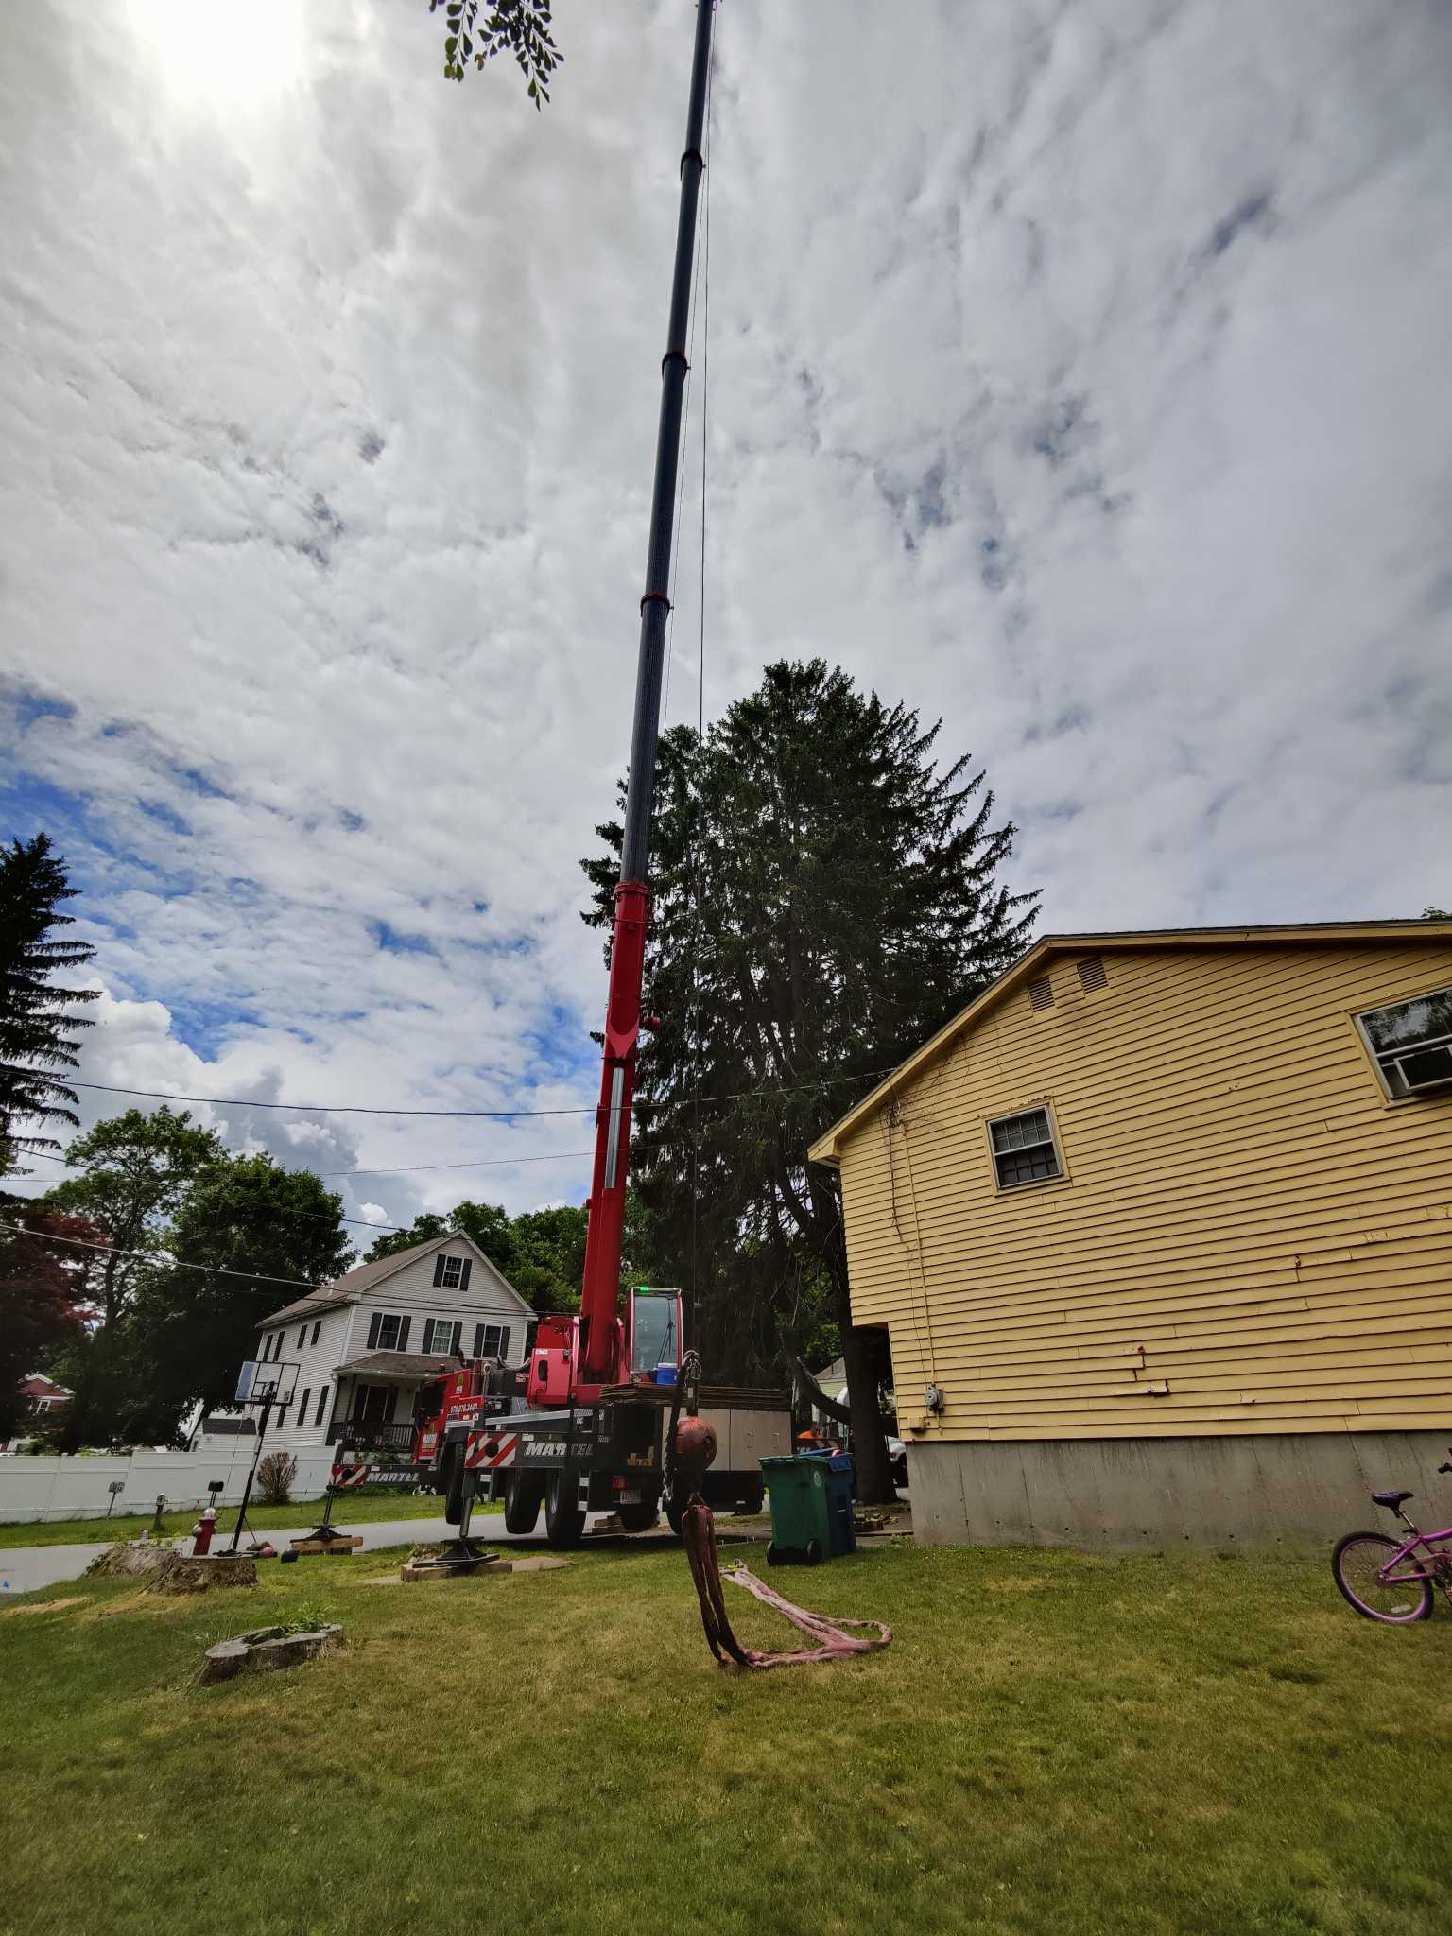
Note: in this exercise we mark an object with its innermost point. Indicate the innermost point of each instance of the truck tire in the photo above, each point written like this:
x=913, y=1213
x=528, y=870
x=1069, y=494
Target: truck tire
x=523, y=1501
x=674, y=1511
x=752, y=1499
x=564, y=1522
x=637, y=1519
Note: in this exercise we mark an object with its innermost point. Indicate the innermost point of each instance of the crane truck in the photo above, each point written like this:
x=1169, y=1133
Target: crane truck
x=588, y=1423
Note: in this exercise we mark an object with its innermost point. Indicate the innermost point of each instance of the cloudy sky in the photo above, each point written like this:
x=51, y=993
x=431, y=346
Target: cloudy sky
x=1077, y=371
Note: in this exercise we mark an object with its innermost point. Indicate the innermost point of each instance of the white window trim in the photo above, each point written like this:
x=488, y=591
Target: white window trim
x=1378, y=1057
x=1033, y=1182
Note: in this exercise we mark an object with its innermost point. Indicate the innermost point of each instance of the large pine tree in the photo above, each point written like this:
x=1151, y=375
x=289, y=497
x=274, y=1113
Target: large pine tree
x=825, y=896
x=35, y=1016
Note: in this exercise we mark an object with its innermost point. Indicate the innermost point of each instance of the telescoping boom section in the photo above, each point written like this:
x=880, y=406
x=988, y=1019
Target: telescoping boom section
x=601, y=1341
x=585, y=1424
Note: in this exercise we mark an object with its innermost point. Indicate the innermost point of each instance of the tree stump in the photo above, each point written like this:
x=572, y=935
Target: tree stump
x=266, y=1651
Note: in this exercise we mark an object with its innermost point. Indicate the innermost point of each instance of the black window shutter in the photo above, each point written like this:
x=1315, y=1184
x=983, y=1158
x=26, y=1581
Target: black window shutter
x=317, y=1330
x=322, y=1405
x=403, y=1334
x=504, y=1340
x=438, y=1270
x=464, y=1274
x=373, y=1324
x=302, y=1336
x=478, y=1341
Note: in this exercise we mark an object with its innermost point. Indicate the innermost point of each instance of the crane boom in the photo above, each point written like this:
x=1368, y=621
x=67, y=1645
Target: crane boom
x=599, y=1359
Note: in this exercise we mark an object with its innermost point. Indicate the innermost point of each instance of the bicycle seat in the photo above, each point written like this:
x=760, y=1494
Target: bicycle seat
x=1391, y=1500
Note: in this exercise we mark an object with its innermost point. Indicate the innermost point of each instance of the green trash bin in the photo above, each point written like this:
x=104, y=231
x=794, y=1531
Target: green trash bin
x=801, y=1529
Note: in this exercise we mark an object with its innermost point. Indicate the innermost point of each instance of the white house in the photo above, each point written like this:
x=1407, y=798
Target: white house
x=365, y=1344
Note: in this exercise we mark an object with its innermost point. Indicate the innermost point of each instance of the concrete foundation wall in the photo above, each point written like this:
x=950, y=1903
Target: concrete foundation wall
x=1292, y=1490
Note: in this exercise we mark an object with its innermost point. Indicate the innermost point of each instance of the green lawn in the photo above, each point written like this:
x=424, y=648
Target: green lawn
x=352, y=1509
x=1052, y=1744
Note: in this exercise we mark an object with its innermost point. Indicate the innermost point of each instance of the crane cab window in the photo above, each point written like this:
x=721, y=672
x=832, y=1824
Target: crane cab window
x=653, y=1338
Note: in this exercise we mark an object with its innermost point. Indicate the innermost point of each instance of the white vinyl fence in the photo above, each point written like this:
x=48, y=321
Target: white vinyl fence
x=79, y=1488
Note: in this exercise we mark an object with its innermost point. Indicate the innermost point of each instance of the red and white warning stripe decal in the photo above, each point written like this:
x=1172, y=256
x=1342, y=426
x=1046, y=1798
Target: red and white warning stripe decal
x=491, y=1449
x=350, y=1475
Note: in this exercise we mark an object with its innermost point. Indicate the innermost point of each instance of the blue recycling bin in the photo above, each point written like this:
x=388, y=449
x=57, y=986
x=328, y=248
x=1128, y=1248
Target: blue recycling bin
x=841, y=1488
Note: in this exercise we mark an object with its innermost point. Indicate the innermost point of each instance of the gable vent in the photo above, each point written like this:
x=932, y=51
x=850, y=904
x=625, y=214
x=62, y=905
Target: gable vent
x=1091, y=973
x=1041, y=993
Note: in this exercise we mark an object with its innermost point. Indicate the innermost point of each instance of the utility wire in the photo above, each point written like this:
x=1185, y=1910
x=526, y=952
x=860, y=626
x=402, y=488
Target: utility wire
x=395, y=1169
x=481, y=1115
x=291, y=1210
x=166, y=1259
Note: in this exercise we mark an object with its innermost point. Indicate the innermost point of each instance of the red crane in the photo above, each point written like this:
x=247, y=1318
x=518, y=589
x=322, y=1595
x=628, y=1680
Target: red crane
x=600, y=1335
x=600, y=1387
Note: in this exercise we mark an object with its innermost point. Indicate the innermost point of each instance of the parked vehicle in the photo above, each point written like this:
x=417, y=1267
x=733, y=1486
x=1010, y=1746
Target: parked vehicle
x=487, y=1432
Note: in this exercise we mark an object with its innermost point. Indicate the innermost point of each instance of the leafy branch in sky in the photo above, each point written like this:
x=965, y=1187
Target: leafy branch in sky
x=518, y=27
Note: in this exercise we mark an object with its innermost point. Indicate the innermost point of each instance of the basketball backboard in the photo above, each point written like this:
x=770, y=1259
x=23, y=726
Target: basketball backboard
x=273, y=1383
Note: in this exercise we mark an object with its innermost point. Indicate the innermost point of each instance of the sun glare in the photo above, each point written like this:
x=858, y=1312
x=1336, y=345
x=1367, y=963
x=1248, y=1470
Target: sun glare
x=222, y=53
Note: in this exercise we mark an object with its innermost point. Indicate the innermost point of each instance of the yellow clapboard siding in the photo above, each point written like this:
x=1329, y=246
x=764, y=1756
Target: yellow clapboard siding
x=1241, y=1200
x=1016, y=1299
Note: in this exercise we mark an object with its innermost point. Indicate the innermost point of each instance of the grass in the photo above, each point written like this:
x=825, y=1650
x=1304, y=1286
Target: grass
x=1052, y=1743
x=351, y=1510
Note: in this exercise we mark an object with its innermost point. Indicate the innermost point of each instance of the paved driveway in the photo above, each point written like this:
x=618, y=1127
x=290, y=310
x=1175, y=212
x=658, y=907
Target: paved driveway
x=24, y=1568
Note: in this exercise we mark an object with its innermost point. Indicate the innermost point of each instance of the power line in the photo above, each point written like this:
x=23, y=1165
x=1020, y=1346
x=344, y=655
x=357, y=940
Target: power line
x=165, y=1258
x=394, y=1169
x=493, y=1115
x=483, y=1163
x=318, y=1216
x=323, y=1108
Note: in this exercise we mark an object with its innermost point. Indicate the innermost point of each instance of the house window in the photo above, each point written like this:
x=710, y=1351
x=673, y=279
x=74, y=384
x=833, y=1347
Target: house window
x=1411, y=1042
x=387, y=1331
x=322, y=1404
x=317, y=1330
x=441, y=1335
x=452, y=1273
x=1024, y=1149
x=491, y=1340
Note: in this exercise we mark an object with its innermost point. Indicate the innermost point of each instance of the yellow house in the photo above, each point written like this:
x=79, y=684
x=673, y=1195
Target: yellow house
x=1161, y=1229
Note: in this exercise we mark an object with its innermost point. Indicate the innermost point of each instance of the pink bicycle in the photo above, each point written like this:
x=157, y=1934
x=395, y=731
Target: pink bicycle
x=1392, y=1580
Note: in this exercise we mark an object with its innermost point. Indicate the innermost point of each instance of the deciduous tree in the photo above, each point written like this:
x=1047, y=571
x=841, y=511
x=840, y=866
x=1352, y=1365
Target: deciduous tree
x=248, y=1238
x=44, y=1267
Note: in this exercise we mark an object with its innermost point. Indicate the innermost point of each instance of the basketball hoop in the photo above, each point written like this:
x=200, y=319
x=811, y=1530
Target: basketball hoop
x=261, y=1384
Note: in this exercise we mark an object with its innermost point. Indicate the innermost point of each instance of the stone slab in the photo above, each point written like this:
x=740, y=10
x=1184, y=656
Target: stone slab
x=419, y=1570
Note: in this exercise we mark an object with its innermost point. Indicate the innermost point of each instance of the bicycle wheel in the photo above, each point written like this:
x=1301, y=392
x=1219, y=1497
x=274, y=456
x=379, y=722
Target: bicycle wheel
x=1356, y=1563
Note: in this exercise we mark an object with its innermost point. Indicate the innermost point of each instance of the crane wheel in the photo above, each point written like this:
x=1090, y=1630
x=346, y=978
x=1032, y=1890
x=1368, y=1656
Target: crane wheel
x=523, y=1501
x=564, y=1522
x=674, y=1511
